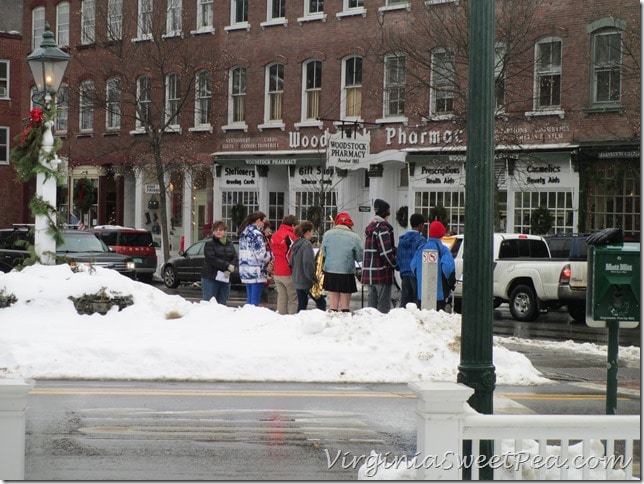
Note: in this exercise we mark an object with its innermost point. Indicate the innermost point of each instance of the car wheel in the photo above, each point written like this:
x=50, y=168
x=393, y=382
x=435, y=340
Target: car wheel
x=577, y=311
x=523, y=303
x=170, y=278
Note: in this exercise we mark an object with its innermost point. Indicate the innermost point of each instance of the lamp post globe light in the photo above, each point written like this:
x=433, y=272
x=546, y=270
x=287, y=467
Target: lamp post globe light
x=47, y=64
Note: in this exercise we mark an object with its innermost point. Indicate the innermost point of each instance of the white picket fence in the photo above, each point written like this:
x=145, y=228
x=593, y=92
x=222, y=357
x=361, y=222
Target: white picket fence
x=525, y=447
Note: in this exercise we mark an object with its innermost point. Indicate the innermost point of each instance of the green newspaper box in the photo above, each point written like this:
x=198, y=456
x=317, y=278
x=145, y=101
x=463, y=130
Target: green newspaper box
x=613, y=292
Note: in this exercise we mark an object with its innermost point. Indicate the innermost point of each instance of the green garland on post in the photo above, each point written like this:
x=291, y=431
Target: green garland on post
x=26, y=155
x=26, y=159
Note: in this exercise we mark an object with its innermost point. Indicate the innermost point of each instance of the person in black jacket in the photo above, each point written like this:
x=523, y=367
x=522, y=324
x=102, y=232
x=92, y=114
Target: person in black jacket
x=220, y=259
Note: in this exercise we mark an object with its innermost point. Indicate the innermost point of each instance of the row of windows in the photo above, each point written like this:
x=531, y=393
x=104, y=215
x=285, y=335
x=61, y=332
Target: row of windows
x=275, y=13
x=547, y=96
x=605, y=81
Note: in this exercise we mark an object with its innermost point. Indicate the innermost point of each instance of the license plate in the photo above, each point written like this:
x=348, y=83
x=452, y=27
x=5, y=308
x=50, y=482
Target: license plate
x=137, y=260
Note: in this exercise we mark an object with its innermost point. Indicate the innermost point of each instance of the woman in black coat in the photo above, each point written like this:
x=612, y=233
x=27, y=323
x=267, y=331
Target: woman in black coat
x=220, y=260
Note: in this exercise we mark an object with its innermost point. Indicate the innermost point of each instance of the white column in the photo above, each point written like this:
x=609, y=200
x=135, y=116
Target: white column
x=44, y=243
x=187, y=209
x=138, y=197
x=440, y=410
x=13, y=405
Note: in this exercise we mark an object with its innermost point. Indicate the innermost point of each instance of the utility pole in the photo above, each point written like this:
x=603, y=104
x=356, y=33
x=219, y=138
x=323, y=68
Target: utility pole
x=476, y=369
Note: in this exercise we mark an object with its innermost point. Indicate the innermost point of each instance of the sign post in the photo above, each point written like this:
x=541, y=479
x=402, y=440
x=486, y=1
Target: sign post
x=429, y=276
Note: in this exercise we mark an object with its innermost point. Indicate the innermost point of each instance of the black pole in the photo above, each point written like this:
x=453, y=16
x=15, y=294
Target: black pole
x=612, y=367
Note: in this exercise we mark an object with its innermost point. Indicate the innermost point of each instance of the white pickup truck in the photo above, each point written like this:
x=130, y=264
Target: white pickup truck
x=525, y=276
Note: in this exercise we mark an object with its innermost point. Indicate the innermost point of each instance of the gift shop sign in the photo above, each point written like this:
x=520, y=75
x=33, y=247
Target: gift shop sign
x=241, y=176
x=312, y=176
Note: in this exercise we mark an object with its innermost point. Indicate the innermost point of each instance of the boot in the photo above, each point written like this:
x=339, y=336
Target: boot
x=147, y=218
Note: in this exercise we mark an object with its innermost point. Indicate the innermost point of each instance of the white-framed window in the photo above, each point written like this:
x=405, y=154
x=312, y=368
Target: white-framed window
x=62, y=109
x=88, y=22
x=62, y=24
x=203, y=98
x=395, y=5
x=143, y=102
x=351, y=100
x=113, y=105
x=37, y=26
x=172, y=100
x=144, y=24
x=328, y=201
x=173, y=18
x=249, y=199
x=86, y=106
x=560, y=205
x=115, y=19
x=274, y=93
x=312, y=89
x=204, y=14
x=452, y=201
x=442, y=84
x=607, y=66
x=352, y=7
x=394, y=88
x=313, y=7
x=499, y=76
x=4, y=78
x=239, y=12
x=236, y=99
x=276, y=9
x=4, y=145
x=548, y=74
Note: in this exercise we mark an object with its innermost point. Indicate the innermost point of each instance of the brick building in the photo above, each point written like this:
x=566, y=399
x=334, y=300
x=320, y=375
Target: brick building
x=14, y=195
x=281, y=106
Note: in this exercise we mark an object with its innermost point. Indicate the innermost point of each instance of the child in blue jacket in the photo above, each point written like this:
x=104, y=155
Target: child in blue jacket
x=445, y=264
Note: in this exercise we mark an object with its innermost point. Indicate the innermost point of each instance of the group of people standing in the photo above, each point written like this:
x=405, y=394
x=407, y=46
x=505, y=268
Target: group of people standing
x=290, y=259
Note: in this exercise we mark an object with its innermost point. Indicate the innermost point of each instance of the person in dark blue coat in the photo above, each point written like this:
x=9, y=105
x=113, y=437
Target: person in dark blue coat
x=445, y=265
x=409, y=243
x=220, y=259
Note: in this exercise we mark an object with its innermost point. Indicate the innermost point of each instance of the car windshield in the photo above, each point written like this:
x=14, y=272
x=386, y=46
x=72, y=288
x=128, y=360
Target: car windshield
x=81, y=242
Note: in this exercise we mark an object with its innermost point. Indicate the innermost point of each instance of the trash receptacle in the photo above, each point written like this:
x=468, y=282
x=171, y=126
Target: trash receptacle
x=613, y=292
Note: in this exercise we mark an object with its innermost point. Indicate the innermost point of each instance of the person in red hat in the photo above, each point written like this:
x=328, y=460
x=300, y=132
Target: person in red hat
x=341, y=249
x=446, y=267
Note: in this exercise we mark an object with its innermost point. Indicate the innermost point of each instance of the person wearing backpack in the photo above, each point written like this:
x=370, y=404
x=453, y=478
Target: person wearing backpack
x=446, y=277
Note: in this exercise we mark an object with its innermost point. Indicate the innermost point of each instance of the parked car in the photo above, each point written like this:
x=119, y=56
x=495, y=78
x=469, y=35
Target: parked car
x=78, y=247
x=573, y=280
x=186, y=267
x=524, y=276
x=135, y=243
